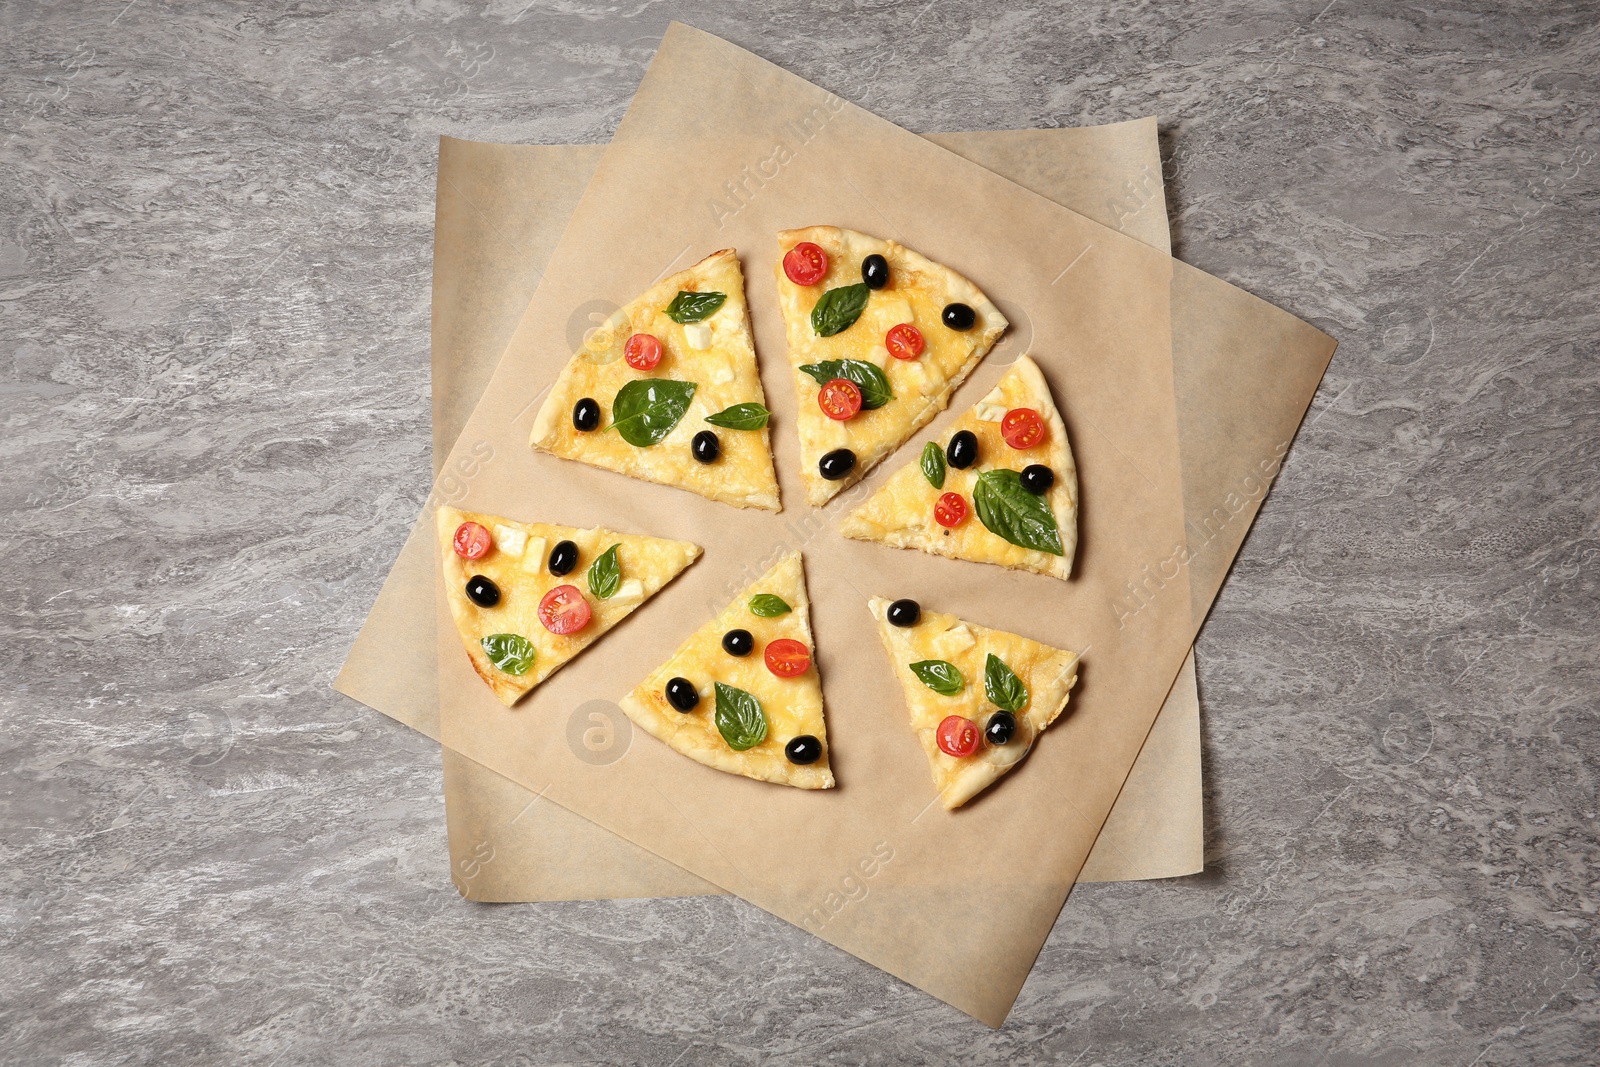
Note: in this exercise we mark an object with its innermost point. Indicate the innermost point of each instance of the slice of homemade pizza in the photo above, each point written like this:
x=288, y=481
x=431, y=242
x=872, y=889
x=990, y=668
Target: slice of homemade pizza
x=879, y=337
x=528, y=596
x=743, y=695
x=1000, y=488
x=978, y=697
x=667, y=390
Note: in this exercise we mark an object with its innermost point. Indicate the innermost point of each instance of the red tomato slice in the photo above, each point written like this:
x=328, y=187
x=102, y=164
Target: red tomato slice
x=840, y=399
x=564, y=611
x=472, y=541
x=805, y=263
x=958, y=736
x=1022, y=428
x=787, y=658
x=904, y=341
x=643, y=351
x=951, y=510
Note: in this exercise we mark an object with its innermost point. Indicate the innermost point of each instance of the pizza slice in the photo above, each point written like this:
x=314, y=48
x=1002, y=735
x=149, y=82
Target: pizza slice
x=978, y=697
x=667, y=390
x=879, y=337
x=743, y=694
x=527, y=597
x=1001, y=487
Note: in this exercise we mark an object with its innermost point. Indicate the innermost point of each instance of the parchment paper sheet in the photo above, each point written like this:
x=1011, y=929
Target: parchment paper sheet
x=1104, y=338
x=500, y=210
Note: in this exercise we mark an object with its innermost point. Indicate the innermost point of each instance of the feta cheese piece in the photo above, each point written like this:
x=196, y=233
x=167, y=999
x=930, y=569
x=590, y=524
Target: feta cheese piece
x=533, y=555
x=510, y=541
x=956, y=639
x=723, y=376
x=630, y=589
x=991, y=408
x=698, y=334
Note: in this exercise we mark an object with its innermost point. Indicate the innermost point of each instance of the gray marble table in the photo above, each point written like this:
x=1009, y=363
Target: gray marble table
x=214, y=288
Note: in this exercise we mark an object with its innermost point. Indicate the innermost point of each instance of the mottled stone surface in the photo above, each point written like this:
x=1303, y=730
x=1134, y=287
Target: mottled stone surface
x=214, y=285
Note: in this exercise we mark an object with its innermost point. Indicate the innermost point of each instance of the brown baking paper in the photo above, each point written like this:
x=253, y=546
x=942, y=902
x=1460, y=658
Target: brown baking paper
x=707, y=119
x=500, y=210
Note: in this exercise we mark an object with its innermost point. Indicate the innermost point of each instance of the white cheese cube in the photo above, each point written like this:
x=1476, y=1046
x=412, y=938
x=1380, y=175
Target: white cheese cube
x=630, y=589
x=956, y=639
x=510, y=541
x=698, y=334
x=533, y=555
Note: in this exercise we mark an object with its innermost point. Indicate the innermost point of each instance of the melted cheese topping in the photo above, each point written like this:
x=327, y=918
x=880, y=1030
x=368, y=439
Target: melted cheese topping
x=917, y=292
x=793, y=706
x=1048, y=673
x=648, y=563
x=901, y=513
x=715, y=354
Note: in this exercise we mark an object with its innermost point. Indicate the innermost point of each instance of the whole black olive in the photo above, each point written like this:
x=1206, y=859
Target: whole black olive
x=962, y=451
x=836, y=464
x=738, y=642
x=875, y=271
x=1037, y=478
x=563, y=558
x=705, y=447
x=905, y=613
x=959, y=316
x=482, y=592
x=1002, y=724
x=803, y=750
x=682, y=694
x=586, y=415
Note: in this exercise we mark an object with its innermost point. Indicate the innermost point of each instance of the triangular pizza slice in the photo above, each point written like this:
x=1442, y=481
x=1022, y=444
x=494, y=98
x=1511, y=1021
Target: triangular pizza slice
x=879, y=338
x=528, y=596
x=667, y=390
x=743, y=694
x=978, y=697
x=1001, y=487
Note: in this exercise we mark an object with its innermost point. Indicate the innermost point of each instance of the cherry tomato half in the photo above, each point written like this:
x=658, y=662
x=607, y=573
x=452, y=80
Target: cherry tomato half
x=958, y=736
x=805, y=263
x=1022, y=428
x=904, y=341
x=840, y=399
x=951, y=510
x=564, y=610
x=472, y=541
x=643, y=351
x=787, y=658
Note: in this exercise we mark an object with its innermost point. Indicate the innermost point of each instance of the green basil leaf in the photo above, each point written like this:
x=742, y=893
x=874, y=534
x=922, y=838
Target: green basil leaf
x=872, y=382
x=933, y=464
x=740, y=720
x=646, y=409
x=1002, y=685
x=839, y=309
x=768, y=606
x=605, y=574
x=751, y=416
x=512, y=653
x=940, y=675
x=694, y=307
x=1011, y=512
